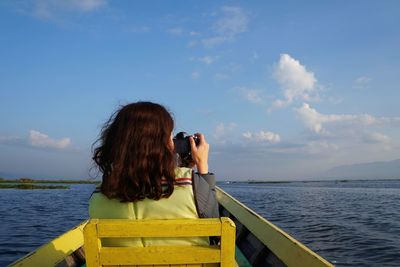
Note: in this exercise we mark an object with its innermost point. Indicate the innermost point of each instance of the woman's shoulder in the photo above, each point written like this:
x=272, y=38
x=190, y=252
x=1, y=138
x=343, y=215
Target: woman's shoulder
x=100, y=199
x=100, y=206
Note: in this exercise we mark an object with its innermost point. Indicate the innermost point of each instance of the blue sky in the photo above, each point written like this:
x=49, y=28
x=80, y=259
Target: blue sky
x=281, y=90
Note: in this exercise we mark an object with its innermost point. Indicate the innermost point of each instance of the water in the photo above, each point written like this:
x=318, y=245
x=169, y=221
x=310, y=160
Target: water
x=353, y=223
x=31, y=218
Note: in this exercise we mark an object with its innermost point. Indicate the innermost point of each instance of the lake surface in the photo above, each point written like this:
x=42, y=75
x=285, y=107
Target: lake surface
x=349, y=223
x=355, y=223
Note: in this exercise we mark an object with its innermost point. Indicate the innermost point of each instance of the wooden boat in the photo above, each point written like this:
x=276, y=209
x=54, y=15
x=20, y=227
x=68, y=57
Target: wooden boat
x=258, y=243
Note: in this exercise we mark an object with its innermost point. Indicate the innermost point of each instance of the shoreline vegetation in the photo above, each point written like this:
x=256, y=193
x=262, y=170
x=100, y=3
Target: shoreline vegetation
x=28, y=183
x=31, y=186
x=33, y=181
x=304, y=181
x=268, y=182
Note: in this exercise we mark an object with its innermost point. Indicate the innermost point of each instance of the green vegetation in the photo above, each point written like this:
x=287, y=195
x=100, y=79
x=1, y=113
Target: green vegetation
x=31, y=186
x=28, y=183
x=268, y=182
x=32, y=181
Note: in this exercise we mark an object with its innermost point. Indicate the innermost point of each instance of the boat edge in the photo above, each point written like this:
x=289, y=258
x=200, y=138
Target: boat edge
x=285, y=247
x=55, y=251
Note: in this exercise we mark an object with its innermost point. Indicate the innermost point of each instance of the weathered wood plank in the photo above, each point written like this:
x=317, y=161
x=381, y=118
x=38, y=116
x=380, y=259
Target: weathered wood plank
x=165, y=254
x=92, y=244
x=227, y=242
x=159, y=228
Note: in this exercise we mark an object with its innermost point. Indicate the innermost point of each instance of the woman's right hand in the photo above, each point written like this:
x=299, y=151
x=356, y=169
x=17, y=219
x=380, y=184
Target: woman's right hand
x=200, y=153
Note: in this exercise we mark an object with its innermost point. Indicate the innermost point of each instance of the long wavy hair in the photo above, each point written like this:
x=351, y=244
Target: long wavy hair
x=134, y=153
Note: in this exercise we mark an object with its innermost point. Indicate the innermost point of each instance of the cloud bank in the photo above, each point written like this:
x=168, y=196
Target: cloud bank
x=38, y=139
x=318, y=122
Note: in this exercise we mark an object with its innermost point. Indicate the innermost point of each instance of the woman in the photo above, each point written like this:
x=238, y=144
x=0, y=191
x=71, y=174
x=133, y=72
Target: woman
x=140, y=178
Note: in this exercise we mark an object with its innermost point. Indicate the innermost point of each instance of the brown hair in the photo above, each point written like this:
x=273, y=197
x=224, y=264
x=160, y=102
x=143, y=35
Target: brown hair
x=134, y=154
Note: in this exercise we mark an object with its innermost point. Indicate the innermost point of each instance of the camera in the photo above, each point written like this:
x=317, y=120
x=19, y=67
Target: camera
x=183, y=149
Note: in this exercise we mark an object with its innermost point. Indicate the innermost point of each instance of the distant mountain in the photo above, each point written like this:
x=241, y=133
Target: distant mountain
x=372, y=170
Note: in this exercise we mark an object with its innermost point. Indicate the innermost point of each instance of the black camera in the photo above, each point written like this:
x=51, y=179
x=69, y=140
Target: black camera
x=183, y=149
x=182, y=143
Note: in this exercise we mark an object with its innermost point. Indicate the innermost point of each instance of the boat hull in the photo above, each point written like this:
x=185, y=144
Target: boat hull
x=263, y=243
x=65, y=250
x=259, y=243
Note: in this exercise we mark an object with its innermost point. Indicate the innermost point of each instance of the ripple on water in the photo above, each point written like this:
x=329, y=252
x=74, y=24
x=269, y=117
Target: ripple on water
x=31, y=218
x=350, y=224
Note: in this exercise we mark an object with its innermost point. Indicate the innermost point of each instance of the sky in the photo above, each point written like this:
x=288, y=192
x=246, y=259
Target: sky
x=282, y=90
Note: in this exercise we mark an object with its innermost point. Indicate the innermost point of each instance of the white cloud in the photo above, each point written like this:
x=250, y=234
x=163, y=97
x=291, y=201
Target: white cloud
x=38, y=139
x=262, y=136
x=233, y=22
x=315, y=121
x=278, y=104
x=222, y=131
x=297, y=83
x=47, y=9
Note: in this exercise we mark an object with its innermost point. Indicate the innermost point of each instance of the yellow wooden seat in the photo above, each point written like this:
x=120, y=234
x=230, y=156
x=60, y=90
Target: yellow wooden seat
x=160, y=256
